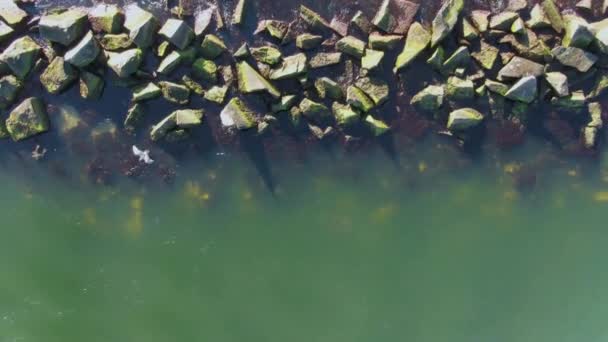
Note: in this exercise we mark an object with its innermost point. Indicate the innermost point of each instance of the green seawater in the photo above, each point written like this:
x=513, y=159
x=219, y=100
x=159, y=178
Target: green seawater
x=346, y=248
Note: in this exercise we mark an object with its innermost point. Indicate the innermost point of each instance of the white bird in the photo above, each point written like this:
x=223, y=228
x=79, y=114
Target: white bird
x=144, y=156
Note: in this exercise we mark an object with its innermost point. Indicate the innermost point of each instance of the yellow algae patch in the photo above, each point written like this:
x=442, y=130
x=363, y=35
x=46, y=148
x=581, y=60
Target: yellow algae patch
x=512, y=168
x=422, y=167
x=135, y=222
x=89, y=216
x=601, y=196
x=194, y=192
x=383, y=214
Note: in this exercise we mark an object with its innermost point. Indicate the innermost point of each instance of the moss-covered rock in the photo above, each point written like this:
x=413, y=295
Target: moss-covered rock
x=63, y=27
x=20, y=56
x=9, y=89
x=445, y=20
x=378, y=41
x=351, y=46
x=358, y=99
x=463, y=119
x=375, y=88
x=486, y=55
x=175, y=93
x=459, y=59
x=169, y=63
x=503, y=21
x=205, y=70
x=429, y=99
x=313, y=19
x=328, y=88
x=134, y=116
x=344, y=115
x=91, y=86
x=459, y=89
x=292, y=67
x=372, y=59
x=313, y=110
x=325, y=59
x=212, y=47
x=105, y=18
x=418, y=38
x=115, y=42
x=27, y=119
x=238, y=114
x=519, y=67
x=553, y=14
x=250, y=81
x=11, y=13
x=189, y=118
x=267, y=55
x=376, y=127
x=242, y=52
x=307, y=41
x=84, y=53
x=216, y=94
x=58, y=76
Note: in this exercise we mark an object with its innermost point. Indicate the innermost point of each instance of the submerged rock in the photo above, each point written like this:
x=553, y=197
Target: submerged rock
x=573, y=57
x=125, y=63
x=142, y=26
x=445, y=20
x=524, y=90
x=177, y=32
x=9, y=88
x=351, y=46
x=292, y=67
x=58, y=76
x=84, y=53
x=429, y=99
x=63, y=27
x=250, y=81
x=105, y=18
x=558, y=82
x=237, y=114
x=91, y=86
x=520, y=67
x=212, y=47
x=27, y=119
x=417, y=40
x=175, y=93
x=161, y=129
x=20, y=56
x=377, y=127
x=463, y=119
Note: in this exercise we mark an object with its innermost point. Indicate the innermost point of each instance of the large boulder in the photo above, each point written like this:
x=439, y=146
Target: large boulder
x=125, y=63
x=63, y=27
x=142, y=25
x=84, y=53
x=105, y=18
x=463, y=119
x=27, y=119
x=177, y=32
x=9, y=88
x=445, y=20
x=250, y=81
x=418, y=39
x=58, y=76
x=20, y=56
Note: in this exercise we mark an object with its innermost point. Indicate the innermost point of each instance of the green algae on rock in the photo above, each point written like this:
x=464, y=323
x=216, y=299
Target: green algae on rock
x=418, y=38
x=20, y=56
x=344, y=115
x=463, y=119
x=250, y=81
x=291, y=67
x=9, y=89
x=307, y=41
x=58, y=76
x=105, y=18
x=351, y=46
x=445, y=20
x=27, y=119
x=212, y=47
x=314, y=110
x=237, y=114
x=205, y=70
x=377, y=127
x=115, y=42
x=429, y=99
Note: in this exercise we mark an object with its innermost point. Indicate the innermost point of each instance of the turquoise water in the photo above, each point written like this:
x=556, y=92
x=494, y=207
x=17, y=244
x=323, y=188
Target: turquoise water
x=348, y=248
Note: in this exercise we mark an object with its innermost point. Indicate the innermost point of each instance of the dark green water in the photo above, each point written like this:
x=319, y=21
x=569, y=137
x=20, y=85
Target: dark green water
x=350, y=248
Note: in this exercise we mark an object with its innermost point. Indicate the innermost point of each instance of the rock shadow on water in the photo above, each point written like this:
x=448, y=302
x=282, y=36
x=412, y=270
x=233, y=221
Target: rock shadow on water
x=253, y=147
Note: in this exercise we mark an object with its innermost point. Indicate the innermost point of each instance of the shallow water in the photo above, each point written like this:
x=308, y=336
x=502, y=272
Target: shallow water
x=348, y=248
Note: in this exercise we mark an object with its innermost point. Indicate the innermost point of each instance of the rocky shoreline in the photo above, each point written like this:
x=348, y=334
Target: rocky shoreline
x=529, y=67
